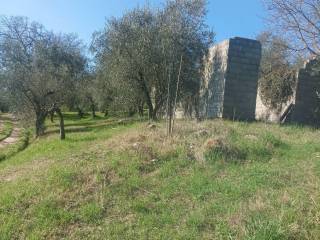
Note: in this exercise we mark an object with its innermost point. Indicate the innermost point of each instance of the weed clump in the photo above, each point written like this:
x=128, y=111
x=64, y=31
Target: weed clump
x=218, y=149
x=239, y=148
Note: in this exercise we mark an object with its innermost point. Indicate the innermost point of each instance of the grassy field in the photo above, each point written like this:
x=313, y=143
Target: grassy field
x=115, y=179
x=11, y=129
x=5, y=129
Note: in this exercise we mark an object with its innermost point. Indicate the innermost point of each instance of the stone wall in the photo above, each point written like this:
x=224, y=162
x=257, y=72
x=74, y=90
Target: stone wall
x=307, y=99
x=213, y=84
x=229, y=87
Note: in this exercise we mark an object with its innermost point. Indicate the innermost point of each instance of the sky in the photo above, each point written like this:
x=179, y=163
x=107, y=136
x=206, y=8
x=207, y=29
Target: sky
x=227, y=18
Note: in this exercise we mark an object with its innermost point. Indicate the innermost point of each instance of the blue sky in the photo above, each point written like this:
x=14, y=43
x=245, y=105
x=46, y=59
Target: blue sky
x=228, y=18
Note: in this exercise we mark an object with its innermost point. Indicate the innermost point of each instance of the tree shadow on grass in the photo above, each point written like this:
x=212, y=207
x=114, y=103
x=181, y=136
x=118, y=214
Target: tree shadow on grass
x=89, y=122
x=89, y=127
x=81, y=124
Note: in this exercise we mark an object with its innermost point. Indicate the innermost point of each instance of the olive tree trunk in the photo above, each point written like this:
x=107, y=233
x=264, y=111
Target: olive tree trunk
x=40, y=119
x=61, y=123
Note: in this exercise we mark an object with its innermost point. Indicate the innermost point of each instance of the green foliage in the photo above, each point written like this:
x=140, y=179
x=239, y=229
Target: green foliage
x=39, y=68
x=5, y=129
x=4, y=98
x=138, y=55
x=277, y=75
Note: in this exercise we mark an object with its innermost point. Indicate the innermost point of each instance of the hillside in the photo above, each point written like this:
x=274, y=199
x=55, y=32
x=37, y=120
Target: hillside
x=115, y=179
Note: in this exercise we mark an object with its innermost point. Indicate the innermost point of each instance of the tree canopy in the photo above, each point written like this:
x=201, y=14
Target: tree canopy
x=144, y=52
x=277, y=72
x=39, y=67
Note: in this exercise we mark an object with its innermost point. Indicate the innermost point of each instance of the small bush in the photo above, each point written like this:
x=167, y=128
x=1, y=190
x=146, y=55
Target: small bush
x=220, y=150
x=237, y=148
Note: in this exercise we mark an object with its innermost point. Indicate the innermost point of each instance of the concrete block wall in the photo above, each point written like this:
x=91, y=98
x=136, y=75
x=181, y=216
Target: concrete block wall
x=213, y=82
x=229, y=88
x=244, y=57
x=306, y=97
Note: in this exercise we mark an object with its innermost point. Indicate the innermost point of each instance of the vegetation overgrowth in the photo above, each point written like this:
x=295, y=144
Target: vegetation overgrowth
x=126, y=179
x=6, y=128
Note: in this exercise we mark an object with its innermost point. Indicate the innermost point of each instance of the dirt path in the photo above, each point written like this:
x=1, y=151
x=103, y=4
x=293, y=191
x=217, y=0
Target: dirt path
x=14, y=136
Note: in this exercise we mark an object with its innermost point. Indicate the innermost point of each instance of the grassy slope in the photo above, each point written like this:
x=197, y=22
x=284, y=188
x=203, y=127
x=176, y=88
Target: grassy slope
x=214, y=180
x=5, y=130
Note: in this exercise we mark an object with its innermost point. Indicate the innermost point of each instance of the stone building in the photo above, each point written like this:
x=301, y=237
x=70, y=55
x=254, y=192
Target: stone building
x=230, y=80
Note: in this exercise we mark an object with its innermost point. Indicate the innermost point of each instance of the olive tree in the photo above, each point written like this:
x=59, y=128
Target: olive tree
x=86, y=94
x=297, y=22
x=40, y=68
x=4, y=98
x=155, y=54
x=277, y=73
